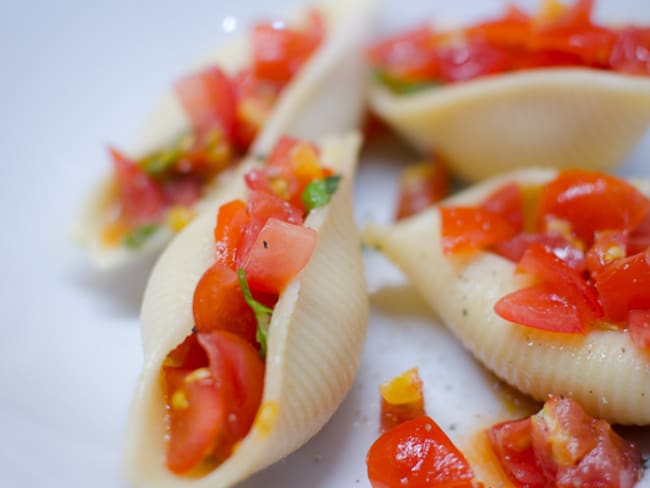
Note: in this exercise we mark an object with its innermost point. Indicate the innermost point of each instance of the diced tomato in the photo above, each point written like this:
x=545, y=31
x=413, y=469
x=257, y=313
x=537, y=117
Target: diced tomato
x=417, y=454
x=420, y=186
x=197, y=415
x=401, y=399
x=541, y=307
x=471, y=60
x=239, y=368
x=515, y=248
x=639, y=327
x=507, y=202
x=218, y=304
x=281, y=151
x=466, y=229
x=567, y=282
x=512, y=29
x=592, y=201
x=545, y=58
x=631, y=51
x=512, y=442
x=639, y=238
x=279, y=253
x=187, y=355
x=182, y=190
x=208, y=97
x=408, y=56
x=574, y=449
x=261, y=207
x=593, y=44
x=141, y=200
x=279, y=51
x=624, y=285
x=608, y=246
x=232, y=220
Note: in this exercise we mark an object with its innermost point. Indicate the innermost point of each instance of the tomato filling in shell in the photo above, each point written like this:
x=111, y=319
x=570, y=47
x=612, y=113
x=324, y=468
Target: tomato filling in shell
x=214, y=379
x=225, y=113
x=558, y=36
x=582, y=240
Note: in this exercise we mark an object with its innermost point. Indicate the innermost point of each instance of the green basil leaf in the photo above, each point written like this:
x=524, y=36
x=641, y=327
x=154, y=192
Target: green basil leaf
x=319, y=192
x=138, y=236
x=262, y=312
x=401, y=87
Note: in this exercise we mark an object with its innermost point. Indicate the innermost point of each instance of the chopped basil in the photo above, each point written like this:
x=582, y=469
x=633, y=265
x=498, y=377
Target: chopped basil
x=262, y=312
x=318, y=192
x=401, y=87
x=137, y=237
x=161, y=161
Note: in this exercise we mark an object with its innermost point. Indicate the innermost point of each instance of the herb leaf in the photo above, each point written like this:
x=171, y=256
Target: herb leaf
x=262, y=312
x=319, y=192
x=138, y=236
x=401, y=87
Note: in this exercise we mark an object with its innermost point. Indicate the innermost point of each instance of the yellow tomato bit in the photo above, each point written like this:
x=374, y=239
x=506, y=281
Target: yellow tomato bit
x=305, y=163
x=179, y=216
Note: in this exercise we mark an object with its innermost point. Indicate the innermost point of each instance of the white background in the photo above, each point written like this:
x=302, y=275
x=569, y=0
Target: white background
x=77, y=75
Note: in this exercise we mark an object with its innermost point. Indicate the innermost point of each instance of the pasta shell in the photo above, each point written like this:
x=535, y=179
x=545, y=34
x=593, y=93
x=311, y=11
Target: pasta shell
x=603, y=370
x=326, y=97
x=553, y=118
x=315, y=342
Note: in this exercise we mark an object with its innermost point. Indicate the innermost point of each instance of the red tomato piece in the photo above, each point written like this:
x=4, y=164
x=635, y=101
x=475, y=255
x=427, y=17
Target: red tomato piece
x=197, y=415
x=567, y=282
x=507, y=202
x=512, y=443
x=420, y=186
x=187, y=355
x=208, y=97
x=541, y=307
x=624, y=285
x=261, y=207
x=608, y=246
x=639, y=326
x=279, y=51
x=279, y=253
x=592, y=201
x=515, y=248
x=409, y=56
x=471, y=60
x=280, y=155
x=574, y=449
x=182, y=190
x=466, y=229
x=631, y=51
x=512, y=29
x=639, y=238
x=141, y=200
x=401, y=399
x=218, y=304
x=417, y=454
x=238, y=367
x=232, y=221
x=591, y=43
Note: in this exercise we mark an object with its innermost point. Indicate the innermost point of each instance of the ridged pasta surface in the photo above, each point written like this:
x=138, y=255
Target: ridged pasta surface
x=317, y=333
x=603, y=370
x=552, y=117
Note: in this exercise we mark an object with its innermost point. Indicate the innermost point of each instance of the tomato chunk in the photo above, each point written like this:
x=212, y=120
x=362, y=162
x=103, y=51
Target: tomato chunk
x=608, y=246
x=280, y=251
x=232, y=220
x=639, y=325
x=417, y=454
x=507, y=202
x=208, y=97
x=401, y=399
x=631, y=51
x=466, y=229
x=140, y=198
x=420, y=186
x=624, y=285
x=218, y=304
x=515, y=248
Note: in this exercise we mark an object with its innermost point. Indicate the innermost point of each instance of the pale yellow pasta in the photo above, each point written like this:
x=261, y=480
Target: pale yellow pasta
x=552, y=117
x=603, y=370
x=325, y=97
x=315, y=342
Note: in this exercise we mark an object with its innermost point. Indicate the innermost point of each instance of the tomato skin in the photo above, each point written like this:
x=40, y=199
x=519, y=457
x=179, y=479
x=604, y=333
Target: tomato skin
x=140, y=198
x=218, y=304
x=512, y=442
x=466, y=229
x=192, y=430
x=280, y=251
x=420, y=186
x=631, y=51
x=639, y=327
x=232, y=220
x=592, y=201
x=208, y=97
x=420, y=453
x=624, y=285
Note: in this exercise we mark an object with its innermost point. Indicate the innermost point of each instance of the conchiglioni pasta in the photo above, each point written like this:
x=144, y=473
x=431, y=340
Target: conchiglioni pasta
x=326, y=96
x=603, y=370
x=315, y=342
x=550, y=117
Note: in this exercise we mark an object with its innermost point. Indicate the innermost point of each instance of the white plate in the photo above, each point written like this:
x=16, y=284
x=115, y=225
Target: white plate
x=78, y=75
